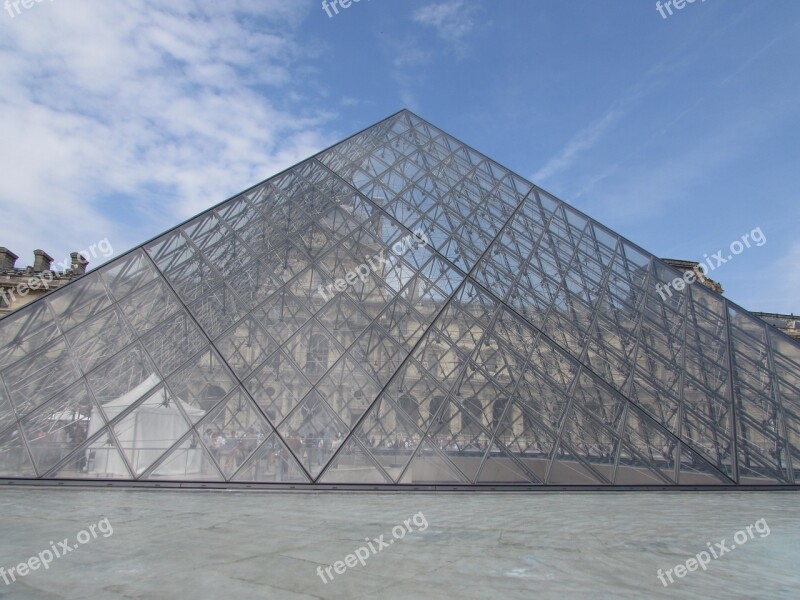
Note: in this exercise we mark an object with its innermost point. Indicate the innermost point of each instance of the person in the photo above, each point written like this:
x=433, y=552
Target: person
x=321, y=450
x=77, y=439
x=218, y=445
x=233, y=448
x=295, y=444
x=310, y=445
x=208, y=434
x=282, y=457
x=248, y=444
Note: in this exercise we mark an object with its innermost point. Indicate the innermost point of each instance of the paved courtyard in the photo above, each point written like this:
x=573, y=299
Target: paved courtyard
x=179, y=544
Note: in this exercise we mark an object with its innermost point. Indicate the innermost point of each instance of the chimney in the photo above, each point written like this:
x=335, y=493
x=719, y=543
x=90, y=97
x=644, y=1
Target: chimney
x=7, y=259
x=41, y=261
x=79, y=263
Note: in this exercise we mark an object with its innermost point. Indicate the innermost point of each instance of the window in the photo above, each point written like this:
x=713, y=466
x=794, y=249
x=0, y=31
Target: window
x=474, y=408
x=410, y=407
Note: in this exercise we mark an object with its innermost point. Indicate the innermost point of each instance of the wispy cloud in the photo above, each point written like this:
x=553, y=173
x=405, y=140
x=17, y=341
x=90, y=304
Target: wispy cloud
x=588, y=137
x=453, y=20
x=584, y=140
x=136, y=114
x=756, y=55
x=636, y=151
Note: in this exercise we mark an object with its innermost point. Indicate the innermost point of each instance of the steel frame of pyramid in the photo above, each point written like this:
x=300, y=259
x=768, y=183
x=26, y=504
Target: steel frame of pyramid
x=523, y=347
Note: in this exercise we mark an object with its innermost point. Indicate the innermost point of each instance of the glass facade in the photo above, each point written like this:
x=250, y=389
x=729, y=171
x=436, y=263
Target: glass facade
x=398, y=310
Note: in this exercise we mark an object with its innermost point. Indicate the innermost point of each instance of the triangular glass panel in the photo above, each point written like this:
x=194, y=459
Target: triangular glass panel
x=14, y=458
x=56, y=429
x=22, y=333
x=460, y=432
x=246, y=346
x=499, y=467
x=282, y=315
x=190, y=275
x=124, y=379
x=172, y=343
x=417, y=394
x=188, y=461
x=522, y=435
x=694, y=470
x=707, y=426
x=657, y=403
x=428, y=466
x=311, y=432
x=344, y=320
x=648, y=454
x=151, y=428
x=233, y=430
x=38, y=377
x=596, y=400
x=7, y=414
x=201, y=383
x=272, y=462
x=126, y=276
x=389, y=436
x=567, y=469
x=759, y=418
x=79, y=301
x=596, y=445
x=377, y=354
x=150, y=306
x=353, y=464
x=277, y=387
x=98, y=458
x=314, y=350
x=90, y=348
x=348, y=390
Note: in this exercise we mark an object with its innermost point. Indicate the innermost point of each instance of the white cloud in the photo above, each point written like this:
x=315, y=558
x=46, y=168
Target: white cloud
x=452, y=20
x=124, y=117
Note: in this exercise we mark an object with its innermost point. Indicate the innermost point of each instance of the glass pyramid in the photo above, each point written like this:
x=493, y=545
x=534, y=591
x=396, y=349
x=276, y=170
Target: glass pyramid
x=397, y=311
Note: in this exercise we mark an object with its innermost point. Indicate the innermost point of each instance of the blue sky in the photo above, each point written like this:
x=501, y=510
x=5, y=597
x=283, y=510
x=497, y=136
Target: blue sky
x=121, y=118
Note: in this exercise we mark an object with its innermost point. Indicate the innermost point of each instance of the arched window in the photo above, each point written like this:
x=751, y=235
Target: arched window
x=501, y=418
x=474, y=408
x=439, y=421
x=436, y=403
x=410, y=407
x=211, y=396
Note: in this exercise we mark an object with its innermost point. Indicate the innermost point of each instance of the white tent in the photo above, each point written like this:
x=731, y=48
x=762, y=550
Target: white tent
x=145, y=433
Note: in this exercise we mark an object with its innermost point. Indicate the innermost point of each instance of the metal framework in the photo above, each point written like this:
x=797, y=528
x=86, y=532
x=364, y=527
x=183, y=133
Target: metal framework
x=397, y=312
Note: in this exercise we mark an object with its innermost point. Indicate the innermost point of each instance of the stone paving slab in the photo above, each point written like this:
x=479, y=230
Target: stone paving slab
x=181, y=544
